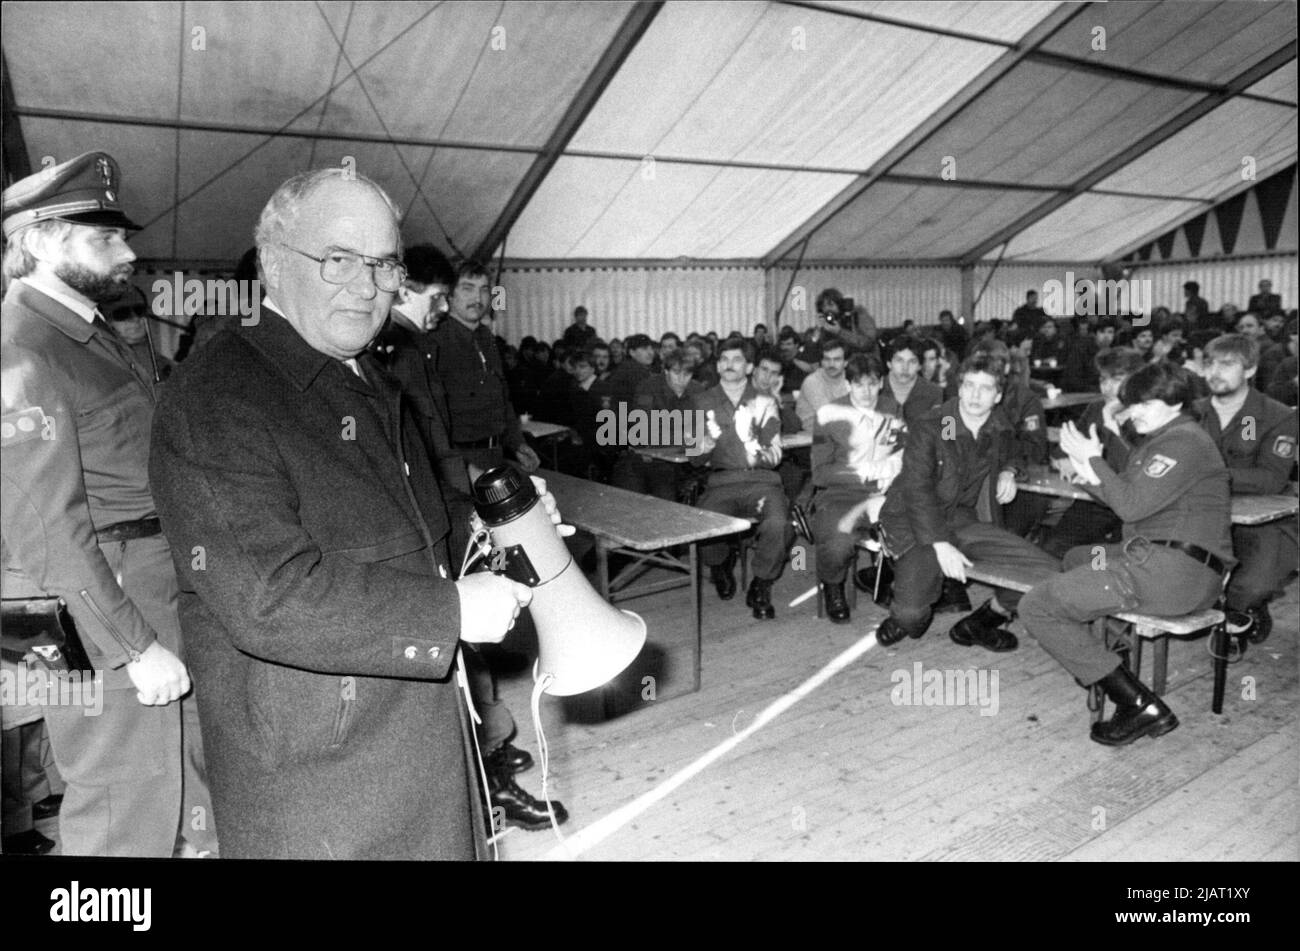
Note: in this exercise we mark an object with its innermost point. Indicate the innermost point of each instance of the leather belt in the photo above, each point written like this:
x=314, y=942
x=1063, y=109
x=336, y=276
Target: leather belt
x=1207, y=558
x=492, y=442
x=127, y=531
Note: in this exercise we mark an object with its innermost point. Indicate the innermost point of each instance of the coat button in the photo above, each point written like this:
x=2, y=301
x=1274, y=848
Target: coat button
x=442, y=571
x=434, y=652
x=409, y=653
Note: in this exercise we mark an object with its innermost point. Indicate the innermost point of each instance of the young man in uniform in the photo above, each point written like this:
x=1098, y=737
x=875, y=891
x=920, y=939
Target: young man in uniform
x=944, y=510
x=1173, y=499
x=1257, y=437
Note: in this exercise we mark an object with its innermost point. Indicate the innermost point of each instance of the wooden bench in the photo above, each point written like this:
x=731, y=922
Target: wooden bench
x=1144, y=627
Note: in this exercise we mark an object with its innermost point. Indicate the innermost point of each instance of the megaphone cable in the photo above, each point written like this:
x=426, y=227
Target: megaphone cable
x=481, y=541
x=543, y=750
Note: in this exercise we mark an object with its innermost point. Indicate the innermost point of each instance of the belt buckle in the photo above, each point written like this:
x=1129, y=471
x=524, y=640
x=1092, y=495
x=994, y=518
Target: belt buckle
x=1137, y=549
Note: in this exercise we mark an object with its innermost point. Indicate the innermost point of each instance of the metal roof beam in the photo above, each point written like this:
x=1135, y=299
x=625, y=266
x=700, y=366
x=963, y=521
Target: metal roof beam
x=995, y=71
x=620, y=47
x=1243, y=80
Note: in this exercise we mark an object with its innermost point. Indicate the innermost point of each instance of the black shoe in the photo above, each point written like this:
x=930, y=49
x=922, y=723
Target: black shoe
x=866, y=582
x=510, y=758
x=1262, y=623
x=1138, y=711
x=953, y=598
x=981, y=628
x=837, y=608
x=517, y=807
x=47, y=808
x=30, y=842
x=759, y=597
x=891, y=632
x=724, y=578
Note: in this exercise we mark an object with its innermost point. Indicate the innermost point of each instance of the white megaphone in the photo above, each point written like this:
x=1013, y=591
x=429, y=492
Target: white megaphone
x=583, y=641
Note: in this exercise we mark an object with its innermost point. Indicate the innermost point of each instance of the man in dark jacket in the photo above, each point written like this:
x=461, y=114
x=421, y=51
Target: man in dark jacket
x=309, y=533
x=405, y=348
x=944, y=510
x=1257, y=437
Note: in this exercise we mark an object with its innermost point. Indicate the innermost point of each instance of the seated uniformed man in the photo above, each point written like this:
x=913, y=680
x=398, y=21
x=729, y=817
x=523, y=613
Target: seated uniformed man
x=944, y=510
x=1173, y=499
x=1257, y=438
x=857, y=452
x=743, y=446
x=673, y=393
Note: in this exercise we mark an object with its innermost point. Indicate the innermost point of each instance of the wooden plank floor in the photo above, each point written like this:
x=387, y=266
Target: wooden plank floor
x=848, y=774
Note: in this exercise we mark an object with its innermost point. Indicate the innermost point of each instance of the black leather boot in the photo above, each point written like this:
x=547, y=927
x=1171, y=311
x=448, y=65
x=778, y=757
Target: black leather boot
x=881, y=590
x=891, y=632
x=837, y=608
x=759, y=598
x=1138, y=711
x=724, y=577
x=512, y=805
x=983, y=628
x=1263, y=623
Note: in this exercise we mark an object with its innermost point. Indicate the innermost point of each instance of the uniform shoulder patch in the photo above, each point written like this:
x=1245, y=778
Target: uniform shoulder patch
x=19, y=427
x=1284, y=447
x=1159, y=465
x=1031, y=424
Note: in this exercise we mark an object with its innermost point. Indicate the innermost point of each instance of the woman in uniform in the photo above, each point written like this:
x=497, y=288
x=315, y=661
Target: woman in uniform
x=1173, y=499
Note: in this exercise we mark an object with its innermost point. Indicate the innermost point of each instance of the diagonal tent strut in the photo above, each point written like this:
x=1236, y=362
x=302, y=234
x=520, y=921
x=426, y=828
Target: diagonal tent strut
x=624, y=41
x=935, y=123
x=1242, y=80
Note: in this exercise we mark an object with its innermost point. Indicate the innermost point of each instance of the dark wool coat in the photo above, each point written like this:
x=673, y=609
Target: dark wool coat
x=320, y=627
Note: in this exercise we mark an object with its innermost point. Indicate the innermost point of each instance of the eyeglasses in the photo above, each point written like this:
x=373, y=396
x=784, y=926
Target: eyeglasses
x=342, y=267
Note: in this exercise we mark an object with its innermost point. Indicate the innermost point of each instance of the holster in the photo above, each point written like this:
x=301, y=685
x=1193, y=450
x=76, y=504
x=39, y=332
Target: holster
x=41, y=628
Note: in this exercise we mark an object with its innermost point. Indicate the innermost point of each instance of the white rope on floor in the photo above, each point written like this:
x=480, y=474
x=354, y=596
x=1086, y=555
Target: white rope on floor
x=603, y=828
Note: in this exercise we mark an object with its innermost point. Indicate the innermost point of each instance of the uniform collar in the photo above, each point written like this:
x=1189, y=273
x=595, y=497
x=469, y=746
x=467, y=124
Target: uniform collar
x=51, y=309
x=87, y=312
x=1180, y=419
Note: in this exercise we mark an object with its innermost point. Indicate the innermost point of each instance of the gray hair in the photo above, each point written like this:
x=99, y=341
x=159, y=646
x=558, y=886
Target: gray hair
x=18, y=259
x=278, y=216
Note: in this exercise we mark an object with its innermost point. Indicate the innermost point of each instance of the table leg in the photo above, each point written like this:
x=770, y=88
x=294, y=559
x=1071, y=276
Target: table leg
x=602, y=567
x=1220, y=640
x=695, y=598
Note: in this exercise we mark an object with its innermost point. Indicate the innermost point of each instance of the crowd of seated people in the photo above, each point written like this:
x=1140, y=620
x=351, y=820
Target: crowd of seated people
x=910, y=370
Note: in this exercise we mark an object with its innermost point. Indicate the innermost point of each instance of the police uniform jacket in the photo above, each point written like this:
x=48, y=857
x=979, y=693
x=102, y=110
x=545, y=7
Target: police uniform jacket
x=855, y=447
x=474, y=379
x=1174, y=487
x=409, y=356
x=75, y=430
x=1263, y=463
x=308, y=530
x=921, y=505
x=1024, y=411
x=1258, y=444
